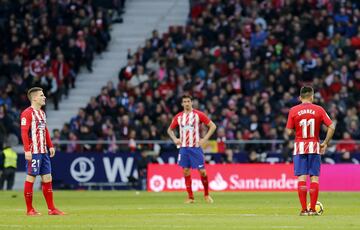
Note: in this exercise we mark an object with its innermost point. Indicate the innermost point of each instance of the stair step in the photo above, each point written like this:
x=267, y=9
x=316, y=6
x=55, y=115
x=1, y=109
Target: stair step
x=140, y=19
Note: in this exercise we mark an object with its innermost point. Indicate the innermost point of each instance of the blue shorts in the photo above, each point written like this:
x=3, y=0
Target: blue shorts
x=307, y=164
x=191, y=157
x=39, y=165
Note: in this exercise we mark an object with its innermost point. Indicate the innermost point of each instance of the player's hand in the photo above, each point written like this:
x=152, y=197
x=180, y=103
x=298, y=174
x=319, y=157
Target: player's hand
x=202, y=142
x=177, y=141
x=28, y=156
x=323, y=147
x=52, y=152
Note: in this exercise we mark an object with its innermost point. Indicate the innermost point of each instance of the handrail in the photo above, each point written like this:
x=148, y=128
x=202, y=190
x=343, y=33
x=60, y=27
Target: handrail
x=123, y=142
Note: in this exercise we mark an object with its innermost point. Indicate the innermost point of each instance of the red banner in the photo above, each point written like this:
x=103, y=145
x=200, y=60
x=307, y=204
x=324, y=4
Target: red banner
x=251, y=177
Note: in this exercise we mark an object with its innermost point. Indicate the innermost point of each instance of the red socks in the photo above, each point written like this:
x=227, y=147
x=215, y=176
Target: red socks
x=48, y=194
x=28, y=194
x=204, y=180
x=188, y=187
x=314, y=193
x=302, y=192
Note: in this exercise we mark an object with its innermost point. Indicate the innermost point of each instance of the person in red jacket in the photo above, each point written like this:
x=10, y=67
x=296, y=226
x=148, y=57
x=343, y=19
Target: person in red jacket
x=61, y=71
x=347, y=144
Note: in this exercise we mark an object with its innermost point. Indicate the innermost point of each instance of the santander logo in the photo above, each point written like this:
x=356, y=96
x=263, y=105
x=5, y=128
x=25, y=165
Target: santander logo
x=218, y=184
x=229, y=178
x=157, y=183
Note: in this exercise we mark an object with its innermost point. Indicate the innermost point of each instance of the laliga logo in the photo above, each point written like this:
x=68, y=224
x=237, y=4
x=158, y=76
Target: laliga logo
x=157, y=183
x=218, y=184
x=82, y=169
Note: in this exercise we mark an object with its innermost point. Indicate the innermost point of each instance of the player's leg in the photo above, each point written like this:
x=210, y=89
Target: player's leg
x=198, y=162
x=188, y=184
x=205, y=182
x=28, y=194
x=32, y=169
x=46, y=178
x=314, y=166
x=184, y=162
x=300, y=170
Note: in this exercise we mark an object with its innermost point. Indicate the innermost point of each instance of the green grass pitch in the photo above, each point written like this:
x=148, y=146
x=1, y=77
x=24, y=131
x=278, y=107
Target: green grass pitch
x=144, y=210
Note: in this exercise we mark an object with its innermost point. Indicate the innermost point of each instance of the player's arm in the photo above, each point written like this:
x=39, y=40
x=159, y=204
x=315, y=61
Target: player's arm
x=211, y=129
x=49, y=143
x=290, y=125
x=330, y=131
x=290, y=132
x=329, y=134
x=171, y=132
x=173, y=136
x=25, y=121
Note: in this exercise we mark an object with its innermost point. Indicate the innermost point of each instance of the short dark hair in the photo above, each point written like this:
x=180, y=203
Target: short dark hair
x=306, y=91
x=33, y=90
x=186, y=96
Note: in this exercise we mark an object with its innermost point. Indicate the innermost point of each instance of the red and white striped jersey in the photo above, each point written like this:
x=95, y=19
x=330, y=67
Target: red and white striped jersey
x=34, y=133
x=189, y=127
x=306, y=147
x=307, y=119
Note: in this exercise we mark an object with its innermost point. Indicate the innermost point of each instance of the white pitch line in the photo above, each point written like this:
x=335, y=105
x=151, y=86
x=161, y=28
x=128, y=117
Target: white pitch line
x=158, y=226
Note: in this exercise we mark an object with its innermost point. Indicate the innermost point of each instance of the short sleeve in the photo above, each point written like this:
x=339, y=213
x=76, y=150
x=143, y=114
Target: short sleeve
x=203, y=118
x=174, y=122
x=325, y=118
x=290, y=121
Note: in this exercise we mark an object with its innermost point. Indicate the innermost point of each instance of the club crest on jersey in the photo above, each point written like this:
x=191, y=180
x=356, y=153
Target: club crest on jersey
x=41, y=125
x=187, y=127
x=23, y=121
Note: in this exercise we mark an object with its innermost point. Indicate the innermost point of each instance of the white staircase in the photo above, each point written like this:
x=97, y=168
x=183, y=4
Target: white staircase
x=140, y=18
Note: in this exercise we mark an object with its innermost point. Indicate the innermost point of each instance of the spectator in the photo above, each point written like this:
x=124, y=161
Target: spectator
x=61, y=72
x=227, y=154
x=347, y=144
x=245, y=67
x=40, y=31
x=253, y=157
x=56, y=136
x=139, y=77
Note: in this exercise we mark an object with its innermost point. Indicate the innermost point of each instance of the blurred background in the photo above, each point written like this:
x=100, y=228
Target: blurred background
x=114, y=72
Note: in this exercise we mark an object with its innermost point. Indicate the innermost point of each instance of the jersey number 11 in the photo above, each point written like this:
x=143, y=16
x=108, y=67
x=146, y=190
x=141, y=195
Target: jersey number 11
x=304, y=125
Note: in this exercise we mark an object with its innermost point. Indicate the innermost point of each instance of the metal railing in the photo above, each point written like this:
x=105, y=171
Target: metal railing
x=231, y=144
x=123, y=142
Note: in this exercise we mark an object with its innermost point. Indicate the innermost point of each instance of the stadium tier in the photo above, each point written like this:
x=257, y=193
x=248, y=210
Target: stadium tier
x=45, y=43
x=244, y=63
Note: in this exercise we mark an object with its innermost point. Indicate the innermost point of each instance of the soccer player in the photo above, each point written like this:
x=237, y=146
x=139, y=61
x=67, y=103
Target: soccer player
x=304, y=121
x=191, y=154
x=36, y=139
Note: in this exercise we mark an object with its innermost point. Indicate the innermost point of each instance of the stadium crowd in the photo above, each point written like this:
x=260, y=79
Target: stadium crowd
x=44, y=43
x=243, y=62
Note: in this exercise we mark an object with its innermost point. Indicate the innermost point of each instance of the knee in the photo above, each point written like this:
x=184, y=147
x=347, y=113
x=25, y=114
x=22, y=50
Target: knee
x=30, y=178
x=302, y=178
x=202, y=172
x=46, y=178
x=186, y=172
x=314, y=179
